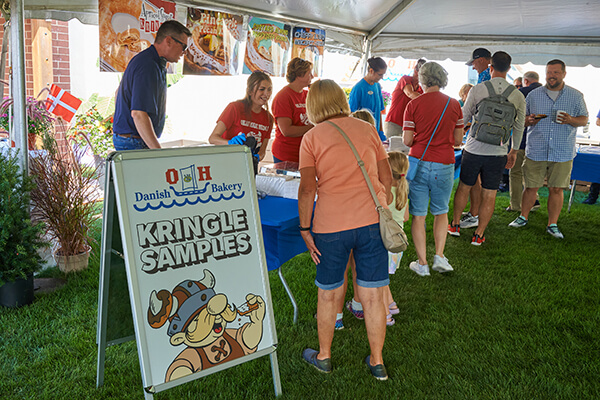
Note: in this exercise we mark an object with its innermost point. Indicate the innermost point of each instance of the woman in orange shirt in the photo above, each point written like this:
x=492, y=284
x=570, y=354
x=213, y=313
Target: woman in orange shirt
x=326, y=156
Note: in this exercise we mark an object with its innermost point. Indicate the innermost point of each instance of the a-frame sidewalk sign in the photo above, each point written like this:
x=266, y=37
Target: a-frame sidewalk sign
x=182, y=266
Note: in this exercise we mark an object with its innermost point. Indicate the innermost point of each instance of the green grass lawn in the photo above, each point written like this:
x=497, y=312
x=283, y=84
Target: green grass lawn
x=518, y=319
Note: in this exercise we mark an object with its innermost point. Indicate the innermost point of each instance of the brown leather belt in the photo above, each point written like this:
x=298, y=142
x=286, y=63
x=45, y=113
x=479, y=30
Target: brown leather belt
x=127, y=135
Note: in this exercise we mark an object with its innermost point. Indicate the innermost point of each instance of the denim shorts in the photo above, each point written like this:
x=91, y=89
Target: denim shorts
x=369, y=254
x=128, y=143
x=433, y=182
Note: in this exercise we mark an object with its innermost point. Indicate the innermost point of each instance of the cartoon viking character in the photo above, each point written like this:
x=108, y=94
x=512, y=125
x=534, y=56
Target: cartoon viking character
x=198, y=318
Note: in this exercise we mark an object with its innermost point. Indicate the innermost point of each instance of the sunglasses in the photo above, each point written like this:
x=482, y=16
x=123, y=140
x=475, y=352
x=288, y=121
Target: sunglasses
x=183, y=45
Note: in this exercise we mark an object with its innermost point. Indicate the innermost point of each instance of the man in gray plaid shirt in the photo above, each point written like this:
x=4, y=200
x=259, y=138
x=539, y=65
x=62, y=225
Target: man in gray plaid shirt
x=554, y=112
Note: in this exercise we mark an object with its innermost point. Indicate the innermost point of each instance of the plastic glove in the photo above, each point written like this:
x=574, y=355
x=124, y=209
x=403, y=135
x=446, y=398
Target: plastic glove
x=239, y=139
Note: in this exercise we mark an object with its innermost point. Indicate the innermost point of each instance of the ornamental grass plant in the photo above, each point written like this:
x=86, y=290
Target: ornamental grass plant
x=64, y=195
x=517, y=319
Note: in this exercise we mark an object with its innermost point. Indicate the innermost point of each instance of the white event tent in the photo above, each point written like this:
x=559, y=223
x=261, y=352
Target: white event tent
x=530, y=30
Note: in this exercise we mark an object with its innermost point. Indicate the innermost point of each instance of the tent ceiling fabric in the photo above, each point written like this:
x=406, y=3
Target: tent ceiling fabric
x=529, y=30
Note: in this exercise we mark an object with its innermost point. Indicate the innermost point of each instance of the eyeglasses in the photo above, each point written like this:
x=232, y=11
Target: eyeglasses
x=183, y=45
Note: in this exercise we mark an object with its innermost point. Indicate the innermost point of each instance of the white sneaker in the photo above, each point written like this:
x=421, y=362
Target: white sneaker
x=422, y=270
x=441, y=264
x=469, y=221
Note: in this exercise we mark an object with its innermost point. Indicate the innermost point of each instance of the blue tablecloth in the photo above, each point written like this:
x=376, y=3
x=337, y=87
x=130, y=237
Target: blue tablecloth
x=457, y=161
x=586, y=167
x=279, y=220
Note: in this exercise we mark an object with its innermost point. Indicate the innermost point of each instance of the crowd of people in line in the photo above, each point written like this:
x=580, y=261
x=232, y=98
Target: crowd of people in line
x=522, y=126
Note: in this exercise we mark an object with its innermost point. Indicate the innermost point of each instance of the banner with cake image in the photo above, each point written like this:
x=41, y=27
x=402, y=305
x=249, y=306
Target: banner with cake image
x=308, y=44
x=267, y=47
x=215, y=45
x=127, y=27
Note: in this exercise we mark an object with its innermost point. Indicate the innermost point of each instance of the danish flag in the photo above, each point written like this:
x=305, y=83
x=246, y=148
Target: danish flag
x=62, y=103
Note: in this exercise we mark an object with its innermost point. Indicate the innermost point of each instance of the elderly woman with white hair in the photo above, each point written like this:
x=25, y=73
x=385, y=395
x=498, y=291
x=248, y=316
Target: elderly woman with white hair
x=433, y=125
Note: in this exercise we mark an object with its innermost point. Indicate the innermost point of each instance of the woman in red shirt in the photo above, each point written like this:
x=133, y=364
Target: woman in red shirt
x=289, y=109
x=433, y=125
x=248, y=116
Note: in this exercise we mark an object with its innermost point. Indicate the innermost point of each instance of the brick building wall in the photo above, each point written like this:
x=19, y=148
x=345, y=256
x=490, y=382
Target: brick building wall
x=52, y=42
x=61, y=73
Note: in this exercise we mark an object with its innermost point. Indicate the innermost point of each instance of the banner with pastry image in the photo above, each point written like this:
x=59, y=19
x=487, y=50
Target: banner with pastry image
x=215, y=45
x=267, y=47
x=127, y=27
x=308, y=44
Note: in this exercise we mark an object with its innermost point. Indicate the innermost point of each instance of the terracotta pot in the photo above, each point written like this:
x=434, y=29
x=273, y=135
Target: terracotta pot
x=77, y=262
x=18, y=293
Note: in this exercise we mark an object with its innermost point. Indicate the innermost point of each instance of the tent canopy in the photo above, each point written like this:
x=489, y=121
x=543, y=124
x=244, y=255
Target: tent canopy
x=531, y=30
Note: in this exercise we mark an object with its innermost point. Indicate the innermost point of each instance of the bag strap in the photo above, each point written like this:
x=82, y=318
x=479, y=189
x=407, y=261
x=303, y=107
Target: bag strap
x=438, y=124
x=361, y=164
x=508, y=91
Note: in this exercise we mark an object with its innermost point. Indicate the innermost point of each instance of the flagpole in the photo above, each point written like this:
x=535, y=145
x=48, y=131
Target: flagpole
x=17, y=52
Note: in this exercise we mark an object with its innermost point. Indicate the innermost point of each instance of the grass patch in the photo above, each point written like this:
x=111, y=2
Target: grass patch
x=518, y=319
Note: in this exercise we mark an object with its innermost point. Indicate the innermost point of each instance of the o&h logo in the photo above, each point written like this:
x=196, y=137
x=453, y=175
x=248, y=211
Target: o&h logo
x=188, y=185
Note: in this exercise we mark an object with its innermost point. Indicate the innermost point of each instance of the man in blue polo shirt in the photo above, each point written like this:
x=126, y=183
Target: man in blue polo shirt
x=554, y=112
x=141, y=98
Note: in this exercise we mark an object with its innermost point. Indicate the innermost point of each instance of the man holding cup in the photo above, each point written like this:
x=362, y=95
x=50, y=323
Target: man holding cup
x=554, y=112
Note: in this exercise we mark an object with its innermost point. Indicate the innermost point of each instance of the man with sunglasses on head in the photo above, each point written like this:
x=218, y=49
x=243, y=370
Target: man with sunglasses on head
x=141, y=98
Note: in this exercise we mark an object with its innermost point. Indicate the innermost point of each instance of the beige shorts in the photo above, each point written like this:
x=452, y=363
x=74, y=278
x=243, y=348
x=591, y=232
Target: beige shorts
x=558, y=173
x=392, y=129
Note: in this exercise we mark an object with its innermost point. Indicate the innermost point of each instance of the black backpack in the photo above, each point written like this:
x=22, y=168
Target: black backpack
x=495, y=117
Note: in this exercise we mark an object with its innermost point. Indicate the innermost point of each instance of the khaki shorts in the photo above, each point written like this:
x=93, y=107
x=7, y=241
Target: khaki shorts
x=392, y=129
x=558, y=173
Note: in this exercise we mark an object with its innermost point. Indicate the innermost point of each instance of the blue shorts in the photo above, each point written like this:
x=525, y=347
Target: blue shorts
x=128, y=143
x=369, y=254
x=433, y=182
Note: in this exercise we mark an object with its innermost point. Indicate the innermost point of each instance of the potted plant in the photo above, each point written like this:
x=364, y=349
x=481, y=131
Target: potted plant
x=39, y=120
x=93, y=127
x=64, y=198
x=20, y=239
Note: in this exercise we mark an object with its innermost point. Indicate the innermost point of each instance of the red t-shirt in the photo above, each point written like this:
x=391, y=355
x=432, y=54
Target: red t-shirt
x=289, y=104
x=400, y=100
x=236, y=121
x=422, y=115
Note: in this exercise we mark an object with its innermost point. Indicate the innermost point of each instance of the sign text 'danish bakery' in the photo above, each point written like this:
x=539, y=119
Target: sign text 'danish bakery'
x=191, y=239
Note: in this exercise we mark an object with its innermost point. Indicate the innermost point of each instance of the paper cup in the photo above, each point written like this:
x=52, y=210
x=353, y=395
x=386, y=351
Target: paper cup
x=558, y=113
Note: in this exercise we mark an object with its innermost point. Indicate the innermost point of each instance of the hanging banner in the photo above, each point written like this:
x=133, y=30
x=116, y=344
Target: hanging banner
x=214, y=49
x=267, y=47
x=128, y=27
x=308, y=44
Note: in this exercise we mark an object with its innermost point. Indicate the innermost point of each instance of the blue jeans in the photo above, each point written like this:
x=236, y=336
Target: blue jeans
x=433, y=182
x=128, y=143
x=369, y=254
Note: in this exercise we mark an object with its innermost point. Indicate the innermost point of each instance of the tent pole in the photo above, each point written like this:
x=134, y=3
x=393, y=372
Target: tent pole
x=367, y=54
x=389, y=18
x=17, y=73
